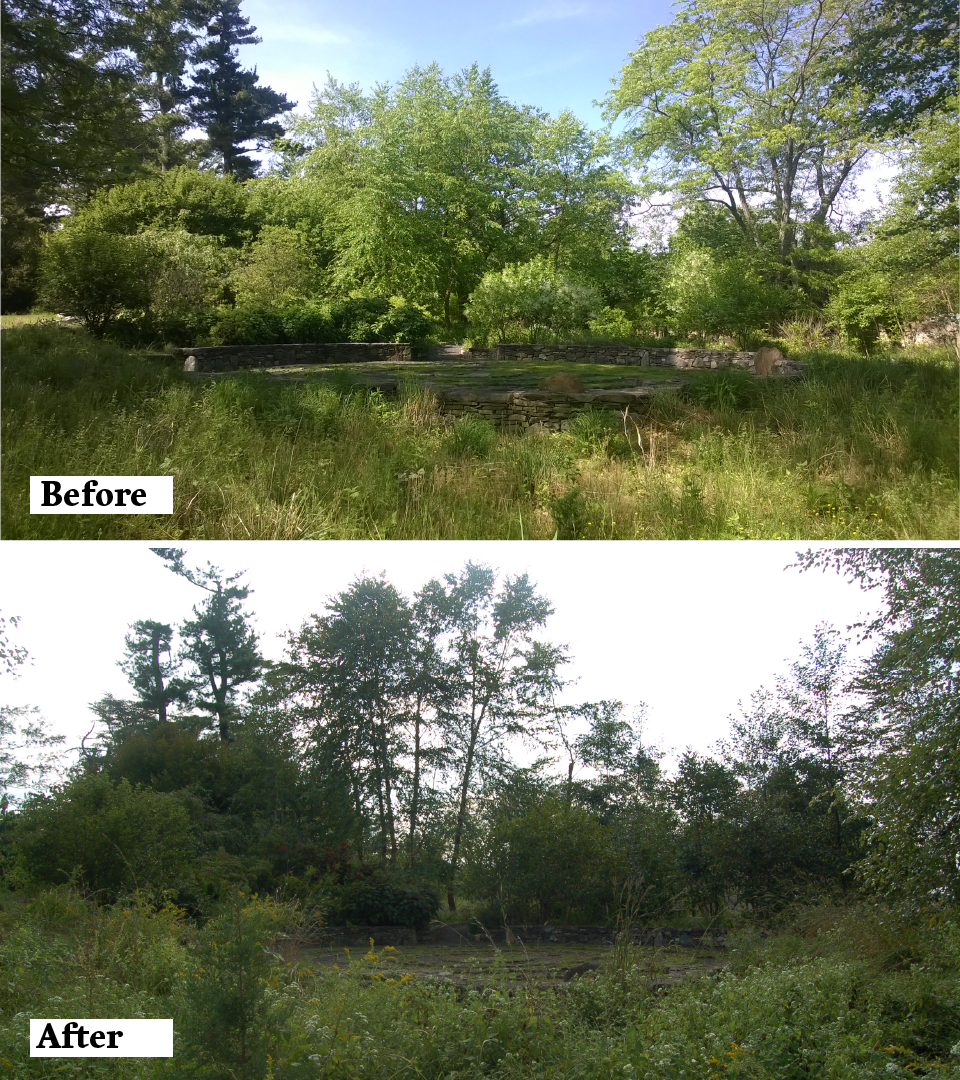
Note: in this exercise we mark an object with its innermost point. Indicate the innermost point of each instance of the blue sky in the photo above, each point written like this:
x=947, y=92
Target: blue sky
x=553, y=54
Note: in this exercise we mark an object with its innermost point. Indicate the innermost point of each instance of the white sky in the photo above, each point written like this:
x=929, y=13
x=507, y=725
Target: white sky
x=686, y=628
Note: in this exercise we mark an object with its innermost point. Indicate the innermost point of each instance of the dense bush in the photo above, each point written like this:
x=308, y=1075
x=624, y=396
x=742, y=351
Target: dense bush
x=94, y=275
x=368, y=897
x=277, y=270
x=709, y=295
x=364, y=318
x=530, y=302
x=110, y=838
x=198, y=202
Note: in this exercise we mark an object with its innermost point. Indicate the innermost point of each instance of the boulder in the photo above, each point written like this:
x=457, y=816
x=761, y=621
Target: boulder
x=581, y=969
x=765, y=359
x=562, y=384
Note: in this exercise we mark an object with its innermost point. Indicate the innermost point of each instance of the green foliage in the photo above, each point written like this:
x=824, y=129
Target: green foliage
x=356, y=319
x=228, y=1007
x=228, y=103
x=202, y=203
x=113, y=839
x=188, y=275
x=529, y=302
x=248, y=326
x=863, y=303
x=219, y=643
x=545, y=864
x=374, y=318
x=370, y=898
x=910, y=713
x=611, y=323
x=95, y=276
x=428, y=185
x=278, y=270
x=720, y=114
x=709, y=296
x=161, y=281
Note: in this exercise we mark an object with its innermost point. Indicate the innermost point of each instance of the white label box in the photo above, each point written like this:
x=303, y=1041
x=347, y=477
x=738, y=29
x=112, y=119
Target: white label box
x=101, y=494
x=101, y=1038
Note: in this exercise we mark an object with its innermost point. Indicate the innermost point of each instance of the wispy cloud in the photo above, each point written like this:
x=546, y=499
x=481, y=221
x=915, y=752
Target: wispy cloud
x=548, y=13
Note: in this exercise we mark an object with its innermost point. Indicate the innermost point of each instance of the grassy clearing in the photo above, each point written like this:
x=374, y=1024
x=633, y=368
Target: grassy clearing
x=848, y=994
x=10, y=322
x=862, y=449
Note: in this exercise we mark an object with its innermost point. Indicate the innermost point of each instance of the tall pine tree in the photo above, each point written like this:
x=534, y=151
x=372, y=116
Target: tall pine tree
x=229, y=104
x=163, y=36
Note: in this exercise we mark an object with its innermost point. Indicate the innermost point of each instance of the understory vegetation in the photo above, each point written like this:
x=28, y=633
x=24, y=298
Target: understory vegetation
x=861, y=448
x=834, y=993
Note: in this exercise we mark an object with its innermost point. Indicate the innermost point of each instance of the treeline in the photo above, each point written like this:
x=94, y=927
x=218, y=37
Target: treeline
x=445, y=211
x=374, y=770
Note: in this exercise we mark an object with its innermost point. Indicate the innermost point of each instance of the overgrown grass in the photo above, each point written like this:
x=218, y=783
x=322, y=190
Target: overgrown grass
x=861, y=449
x=825, y=998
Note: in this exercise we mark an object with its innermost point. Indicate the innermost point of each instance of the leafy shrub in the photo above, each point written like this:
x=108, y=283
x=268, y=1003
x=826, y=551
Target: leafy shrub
x=278, y=269
x=189, y=278
x=370, y=898
x=374, y=318
x=247, y=326
x=611, y=323
x=197, y=201
x=307, y=322
x=113, y=839
x=530, y=302
x=94, y=275
x=362, y=318
x=863, y=303
x=710, y=296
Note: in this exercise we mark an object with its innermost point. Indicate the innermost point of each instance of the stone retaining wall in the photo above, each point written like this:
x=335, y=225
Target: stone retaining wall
x=240, y=357
x=359, y=936
x=461, y=934
x=626, y=354
x=518, y=410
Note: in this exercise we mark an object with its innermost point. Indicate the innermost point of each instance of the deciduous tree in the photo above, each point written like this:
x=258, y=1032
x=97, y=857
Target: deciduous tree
x=736, y=102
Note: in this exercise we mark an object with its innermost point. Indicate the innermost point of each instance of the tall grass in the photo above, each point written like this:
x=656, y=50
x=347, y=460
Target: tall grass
x=862, y=449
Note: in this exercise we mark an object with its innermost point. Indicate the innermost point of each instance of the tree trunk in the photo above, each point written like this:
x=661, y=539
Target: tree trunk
x=415, y=796
x=461, y=814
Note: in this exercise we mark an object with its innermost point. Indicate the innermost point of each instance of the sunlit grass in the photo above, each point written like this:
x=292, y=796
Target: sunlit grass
x=861, y=449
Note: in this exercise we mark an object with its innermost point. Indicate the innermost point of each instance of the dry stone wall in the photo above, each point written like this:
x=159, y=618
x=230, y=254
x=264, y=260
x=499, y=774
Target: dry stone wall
x=460, y=933
x=241, y=357
x=616, y=354
x=518, y=410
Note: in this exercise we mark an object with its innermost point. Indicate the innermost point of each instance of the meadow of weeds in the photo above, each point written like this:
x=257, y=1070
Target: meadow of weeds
x=860, y=449
x=848, y=993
